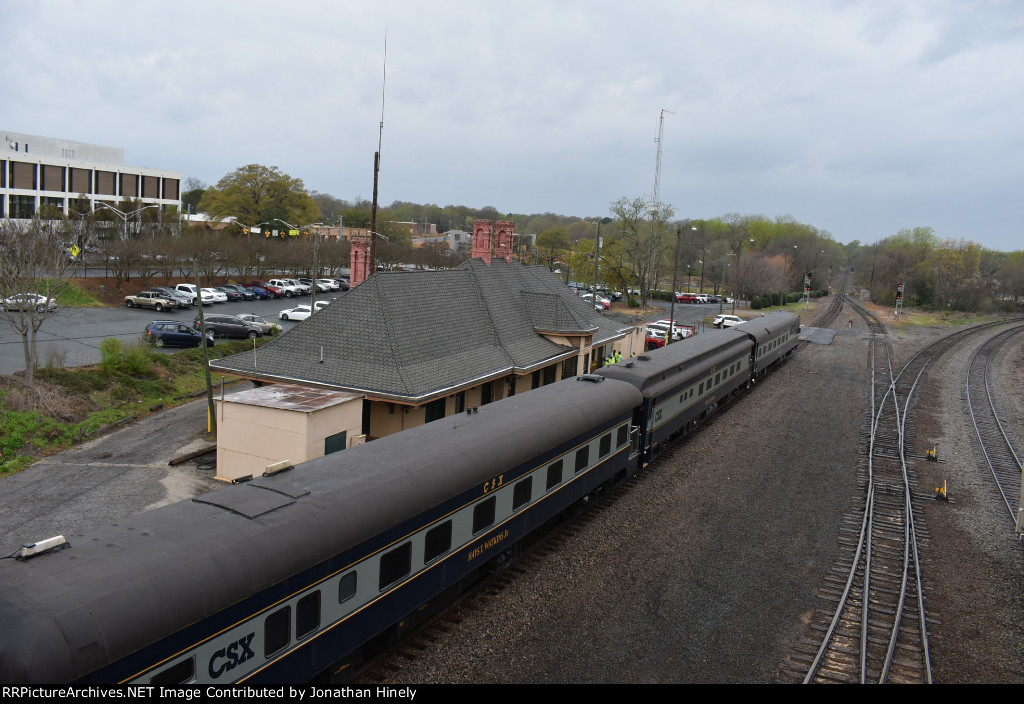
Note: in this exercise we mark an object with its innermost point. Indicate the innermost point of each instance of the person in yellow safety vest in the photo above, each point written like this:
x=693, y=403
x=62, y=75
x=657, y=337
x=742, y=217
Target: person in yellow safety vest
x=618, y=356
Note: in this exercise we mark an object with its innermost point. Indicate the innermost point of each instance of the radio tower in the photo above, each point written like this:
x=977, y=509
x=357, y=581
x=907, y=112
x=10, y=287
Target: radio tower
x=657, y=163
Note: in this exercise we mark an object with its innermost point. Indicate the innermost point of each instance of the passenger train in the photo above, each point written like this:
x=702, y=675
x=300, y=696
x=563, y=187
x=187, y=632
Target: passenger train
x=299, y=575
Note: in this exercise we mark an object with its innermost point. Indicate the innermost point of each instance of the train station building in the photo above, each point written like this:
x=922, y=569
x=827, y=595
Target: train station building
x=415, y=346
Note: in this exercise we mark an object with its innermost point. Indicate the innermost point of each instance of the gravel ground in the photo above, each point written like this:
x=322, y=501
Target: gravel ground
x=707, y=569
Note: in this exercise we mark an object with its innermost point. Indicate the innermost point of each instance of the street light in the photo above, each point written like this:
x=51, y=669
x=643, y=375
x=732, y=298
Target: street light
x=124, y=216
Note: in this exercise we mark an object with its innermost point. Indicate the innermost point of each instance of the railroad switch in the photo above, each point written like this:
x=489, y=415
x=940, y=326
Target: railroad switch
x=931, y=454
x=940, y=493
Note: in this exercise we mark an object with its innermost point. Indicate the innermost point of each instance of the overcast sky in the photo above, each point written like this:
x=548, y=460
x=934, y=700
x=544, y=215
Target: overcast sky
x=860, y=118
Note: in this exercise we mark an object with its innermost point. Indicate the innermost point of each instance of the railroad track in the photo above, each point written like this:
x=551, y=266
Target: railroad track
x=878, y=628
x=997, y=455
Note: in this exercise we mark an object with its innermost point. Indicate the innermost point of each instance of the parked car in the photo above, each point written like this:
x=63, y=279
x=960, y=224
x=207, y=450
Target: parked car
x=265, y=326
x=661, y=328
x=605, y=303
x=684, y=330
x=287, y=288
x=320, y=286
x=190, y=289
x=184, y=299
x=171, y=333
x=237, y=293
x=228, y=326
x=267, y=286
x=260, y=293
x=727, y=321
x=686, y=298
x=28, y=301
x=151, y=299
x=218, y=296
x=296, y=313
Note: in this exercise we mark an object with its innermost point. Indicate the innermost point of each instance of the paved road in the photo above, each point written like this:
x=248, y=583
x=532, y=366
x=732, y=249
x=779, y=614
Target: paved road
x=107, y=479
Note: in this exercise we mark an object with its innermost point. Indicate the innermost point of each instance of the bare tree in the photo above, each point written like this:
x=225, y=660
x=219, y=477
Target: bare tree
x=33, y=262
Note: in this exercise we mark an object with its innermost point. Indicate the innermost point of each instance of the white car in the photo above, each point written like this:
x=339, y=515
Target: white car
x=727, y=321
x=218, y=296
x=28, y=301
x=190, y=290
x=600, y=302
x=296, y=313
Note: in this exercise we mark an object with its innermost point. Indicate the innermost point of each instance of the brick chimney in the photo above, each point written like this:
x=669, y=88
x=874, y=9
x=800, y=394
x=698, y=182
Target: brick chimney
x=482, y=240
x=360, y=260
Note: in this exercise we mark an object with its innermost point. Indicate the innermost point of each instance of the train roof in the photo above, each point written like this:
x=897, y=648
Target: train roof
x=119, y=588
x=648, y=371
x=768, y=326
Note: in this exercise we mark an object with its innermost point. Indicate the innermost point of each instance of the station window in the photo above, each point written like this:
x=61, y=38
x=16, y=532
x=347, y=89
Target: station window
x=307, y=615
x=483, y=515
x=276, y=629
x=582, y=458
x=180, y=673
x=438, y=541
x=554, y=475
x=623, y=436
x=522, y=493
x=347, y=587
x=395, y=564
x=605, y=446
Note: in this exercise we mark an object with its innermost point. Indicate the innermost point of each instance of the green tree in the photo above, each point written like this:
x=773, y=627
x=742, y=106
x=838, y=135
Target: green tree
x=256, y=194
x=553, y=245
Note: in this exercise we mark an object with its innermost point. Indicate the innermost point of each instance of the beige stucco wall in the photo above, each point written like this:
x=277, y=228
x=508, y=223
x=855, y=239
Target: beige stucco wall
x=249, y=436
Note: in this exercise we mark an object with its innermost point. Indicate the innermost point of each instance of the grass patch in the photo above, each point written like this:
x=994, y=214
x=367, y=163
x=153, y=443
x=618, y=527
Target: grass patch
x=64, y=406
x=75, y=296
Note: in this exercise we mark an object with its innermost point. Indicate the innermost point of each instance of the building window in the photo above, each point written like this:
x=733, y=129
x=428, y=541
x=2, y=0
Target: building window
x=569, y=368
x=22, y=207
x=460, y=402
x=549, y=374
x=336, y=442
x=485, y=394
x=435, y=410
x=535, y=384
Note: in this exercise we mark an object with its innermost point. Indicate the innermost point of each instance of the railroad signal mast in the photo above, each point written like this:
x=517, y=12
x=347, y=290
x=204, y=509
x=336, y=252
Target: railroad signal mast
x=899, y=299
x=807, y=290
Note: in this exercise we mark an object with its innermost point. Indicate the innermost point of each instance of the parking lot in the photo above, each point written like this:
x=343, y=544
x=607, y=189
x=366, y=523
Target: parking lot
x=72, y=337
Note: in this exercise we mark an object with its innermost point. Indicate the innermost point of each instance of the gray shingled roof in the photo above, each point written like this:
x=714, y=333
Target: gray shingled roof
x=412, y=335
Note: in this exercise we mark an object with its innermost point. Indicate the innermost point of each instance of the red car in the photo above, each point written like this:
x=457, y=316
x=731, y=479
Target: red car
x=686, y=298
x=276, y=290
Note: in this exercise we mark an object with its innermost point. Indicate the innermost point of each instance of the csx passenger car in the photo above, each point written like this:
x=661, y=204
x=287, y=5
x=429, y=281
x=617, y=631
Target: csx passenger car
x=296, y=576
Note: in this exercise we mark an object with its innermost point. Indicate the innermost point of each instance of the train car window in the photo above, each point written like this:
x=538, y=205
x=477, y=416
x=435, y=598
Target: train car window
x=276, y=629
x=582, y=458
x=606, y=445
x=522, y=493
x=718, y=377
x=307, y=615
x=179, y=673
x=438, y=541
x=623, y=436
x=395, y=564
x=346, y=587
x=483, y=515
x=554, y=475
x=701, y=388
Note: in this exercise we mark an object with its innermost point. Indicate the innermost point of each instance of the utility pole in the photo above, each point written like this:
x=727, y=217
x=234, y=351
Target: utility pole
x=376, y=164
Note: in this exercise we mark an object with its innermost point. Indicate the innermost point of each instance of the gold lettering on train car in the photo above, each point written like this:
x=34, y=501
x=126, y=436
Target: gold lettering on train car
x=486, y=545
x=493, y=484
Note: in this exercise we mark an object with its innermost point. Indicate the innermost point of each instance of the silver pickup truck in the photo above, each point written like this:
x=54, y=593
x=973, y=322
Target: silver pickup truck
x=150, y=299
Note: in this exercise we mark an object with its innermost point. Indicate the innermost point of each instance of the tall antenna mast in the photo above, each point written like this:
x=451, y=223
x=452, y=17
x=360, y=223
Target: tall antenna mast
x=376, y=163
x=657, y=164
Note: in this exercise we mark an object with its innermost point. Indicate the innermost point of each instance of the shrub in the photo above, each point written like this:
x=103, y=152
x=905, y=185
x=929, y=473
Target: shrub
x=110, y=355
